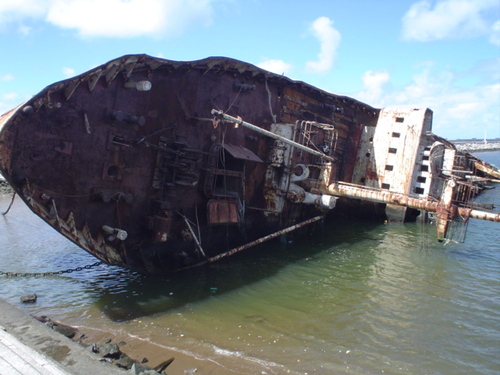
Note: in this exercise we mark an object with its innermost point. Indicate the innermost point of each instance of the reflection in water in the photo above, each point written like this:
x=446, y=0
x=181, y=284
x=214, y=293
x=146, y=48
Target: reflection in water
x=358, y=298
x=132, y=295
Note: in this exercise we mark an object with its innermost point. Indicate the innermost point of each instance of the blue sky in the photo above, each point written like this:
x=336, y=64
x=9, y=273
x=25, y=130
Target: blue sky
x=441, y=54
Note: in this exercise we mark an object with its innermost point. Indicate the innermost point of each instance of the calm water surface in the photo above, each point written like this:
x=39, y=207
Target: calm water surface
x=358, y=298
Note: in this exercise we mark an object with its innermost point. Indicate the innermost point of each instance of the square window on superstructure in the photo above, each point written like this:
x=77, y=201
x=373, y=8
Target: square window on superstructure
x=421, y=179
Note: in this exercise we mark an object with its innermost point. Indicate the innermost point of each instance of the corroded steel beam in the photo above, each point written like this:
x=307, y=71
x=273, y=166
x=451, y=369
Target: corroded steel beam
x=257, y=129
x=482, y=215
x=264, y=239
x=343, y=189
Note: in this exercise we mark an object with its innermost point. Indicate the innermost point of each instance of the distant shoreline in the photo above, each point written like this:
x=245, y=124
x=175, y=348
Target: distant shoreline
x=477, y=146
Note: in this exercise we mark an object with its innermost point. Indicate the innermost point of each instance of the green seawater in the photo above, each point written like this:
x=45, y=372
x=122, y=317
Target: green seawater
x=353, y=298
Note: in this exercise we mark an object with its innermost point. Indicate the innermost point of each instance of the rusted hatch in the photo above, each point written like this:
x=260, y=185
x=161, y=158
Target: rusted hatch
x=223, y=211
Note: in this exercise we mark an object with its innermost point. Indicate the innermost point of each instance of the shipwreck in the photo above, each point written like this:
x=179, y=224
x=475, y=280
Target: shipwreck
x=159, y=165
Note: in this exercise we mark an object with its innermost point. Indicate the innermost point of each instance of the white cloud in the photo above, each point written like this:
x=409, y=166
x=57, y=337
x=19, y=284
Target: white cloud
x=448, y=19
x=68, y=72
x=14, y=11
x=276, y=66
x=6, y=77
x=373, y=87
x=427, y=87
x=24, y=29
x=23, y=7
x=470, y=110
x=11, y=96
x=329, y=39
x=495, y=34
x=112, y=18
x=458, y=110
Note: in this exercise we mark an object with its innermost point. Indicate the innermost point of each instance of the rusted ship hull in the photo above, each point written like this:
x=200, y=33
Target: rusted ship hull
x=153, y=164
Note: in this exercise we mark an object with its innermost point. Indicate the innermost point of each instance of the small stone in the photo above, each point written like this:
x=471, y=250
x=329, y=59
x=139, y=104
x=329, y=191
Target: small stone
x=30, y=298
x=137, y=369
x=125, y=362
x=150, y=372
x=43, y=319
x=67, y=331
x=109, y=351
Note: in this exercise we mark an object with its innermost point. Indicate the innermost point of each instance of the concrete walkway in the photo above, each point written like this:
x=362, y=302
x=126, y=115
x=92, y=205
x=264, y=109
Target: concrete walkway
x=28, y=347
x=18, y=359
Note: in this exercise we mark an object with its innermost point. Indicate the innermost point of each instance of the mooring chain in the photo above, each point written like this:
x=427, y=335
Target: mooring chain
x=10, y=205
x=40, y=274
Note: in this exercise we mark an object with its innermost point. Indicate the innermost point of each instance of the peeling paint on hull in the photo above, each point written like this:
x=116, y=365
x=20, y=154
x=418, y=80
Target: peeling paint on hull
x=149, y=164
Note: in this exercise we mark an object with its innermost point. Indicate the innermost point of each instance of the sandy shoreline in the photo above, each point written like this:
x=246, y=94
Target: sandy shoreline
x=138, y=349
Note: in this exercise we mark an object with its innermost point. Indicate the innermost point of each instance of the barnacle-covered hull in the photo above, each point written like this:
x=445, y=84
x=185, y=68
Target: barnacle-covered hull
x=149, y=163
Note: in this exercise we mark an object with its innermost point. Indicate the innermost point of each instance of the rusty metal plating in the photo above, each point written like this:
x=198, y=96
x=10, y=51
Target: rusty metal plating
x=159, y=165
